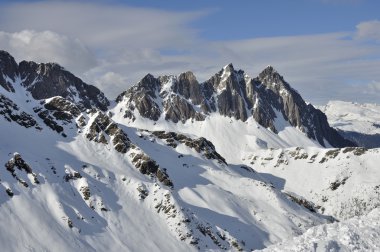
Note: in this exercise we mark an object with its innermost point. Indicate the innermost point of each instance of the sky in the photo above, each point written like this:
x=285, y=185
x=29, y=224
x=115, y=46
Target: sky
x=325, y=49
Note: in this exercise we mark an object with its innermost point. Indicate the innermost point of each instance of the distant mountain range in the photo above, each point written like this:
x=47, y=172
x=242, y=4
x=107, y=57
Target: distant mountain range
x=358, y=122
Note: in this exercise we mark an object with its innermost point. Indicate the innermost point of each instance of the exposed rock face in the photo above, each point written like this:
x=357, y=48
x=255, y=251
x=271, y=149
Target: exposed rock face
x=56, y=112
x=178, y=109
x=230, y=93
x=11, y=112
x=63, y=97
x=188, y=86
x=8, y=71
x=49, y=80
x=230, y=89
x=102, y=127
x=142, y=97
x=18, y=162
x=294, y=109
x=200, y=145
x=148, y=166
x=63, y=109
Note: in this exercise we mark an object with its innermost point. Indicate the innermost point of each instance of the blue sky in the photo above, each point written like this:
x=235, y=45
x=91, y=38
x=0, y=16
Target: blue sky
x=326, y=49
x=245, y=19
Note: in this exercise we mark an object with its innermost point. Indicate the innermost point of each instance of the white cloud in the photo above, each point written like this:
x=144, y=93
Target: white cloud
x=103, y=26
x=48, y=47
x=109, y=81
x=369, y=30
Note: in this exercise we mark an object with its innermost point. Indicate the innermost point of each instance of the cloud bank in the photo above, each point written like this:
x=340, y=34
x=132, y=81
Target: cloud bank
x=48, y=46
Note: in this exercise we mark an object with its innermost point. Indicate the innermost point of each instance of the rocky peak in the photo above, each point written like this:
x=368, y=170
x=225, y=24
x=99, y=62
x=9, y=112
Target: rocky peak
x=8, y=69
x=273, y=80
x=50, y=79
x=188, y=86
x=46, y=80
x=48, y=68
x=228, y=78
x=268, y=71
x=229, y=68
x=149, y=84
x=233, y=94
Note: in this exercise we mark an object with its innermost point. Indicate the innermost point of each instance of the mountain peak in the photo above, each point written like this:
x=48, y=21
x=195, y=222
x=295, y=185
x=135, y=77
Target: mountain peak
x=8, y=70
x=229, y=67
x=147, y=77
x=5, y=54
x=268, y=71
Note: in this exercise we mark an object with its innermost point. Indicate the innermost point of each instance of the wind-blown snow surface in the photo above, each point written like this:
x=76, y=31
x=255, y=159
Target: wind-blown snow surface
x=356, y=234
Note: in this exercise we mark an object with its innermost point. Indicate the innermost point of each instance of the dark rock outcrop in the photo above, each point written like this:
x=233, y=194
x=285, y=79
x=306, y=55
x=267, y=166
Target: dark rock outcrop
x=8, y=69
x=49, y=80
x=200, y=145
x=57, y=112
x=11, y=112
x=18, y=162
x=72, y=176
x=178, y=109
x=142, y=97
x=62, y=109
x=148, y=166
x=188, y=87
x=102, y=126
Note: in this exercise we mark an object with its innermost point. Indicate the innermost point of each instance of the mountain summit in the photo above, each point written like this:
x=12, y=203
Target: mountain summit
x=47, y=80
x=267, y=98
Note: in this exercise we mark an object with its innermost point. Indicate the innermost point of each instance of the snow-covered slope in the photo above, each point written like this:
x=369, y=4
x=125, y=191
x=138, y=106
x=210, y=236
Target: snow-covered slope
x=358, y=122
x=338, y=182
x=356, y=234
x=232, y=138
